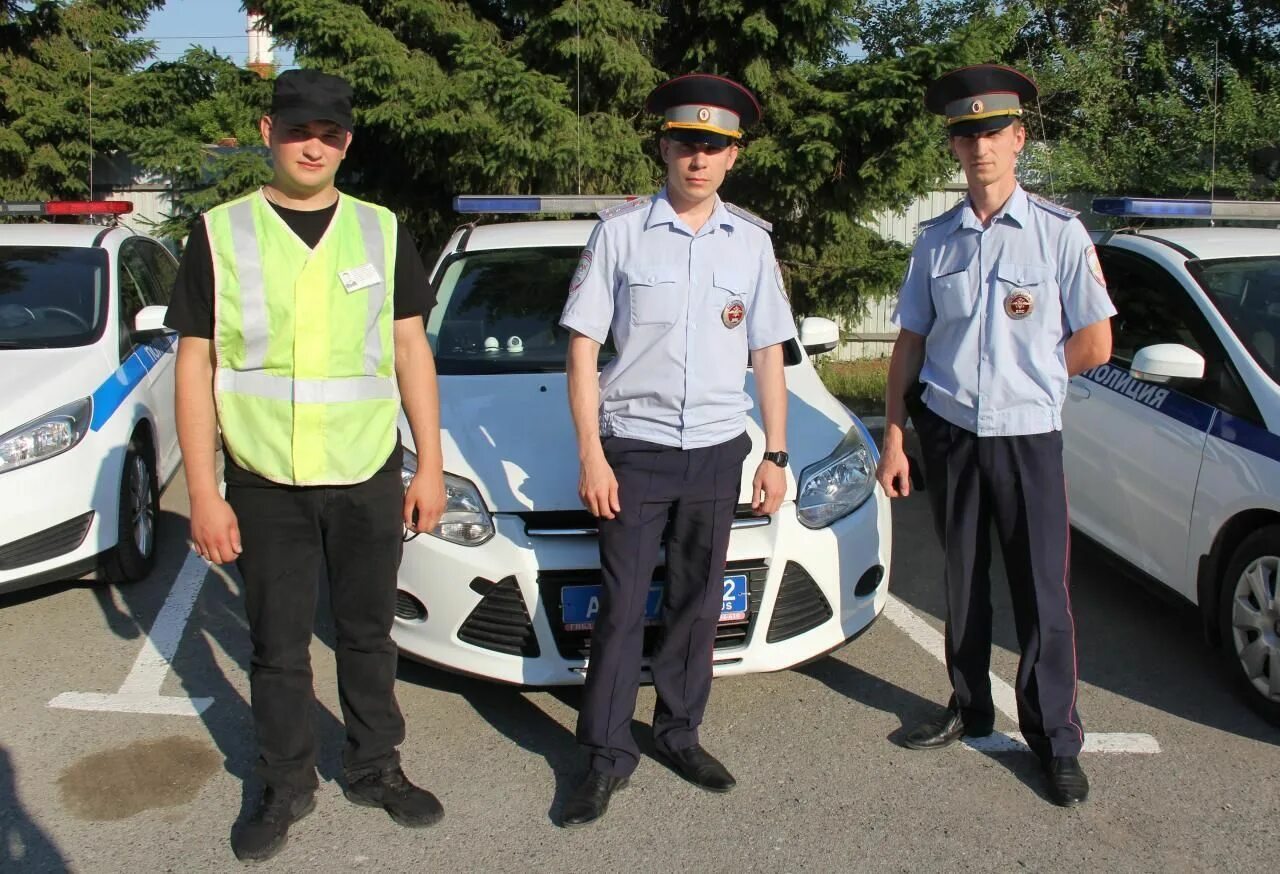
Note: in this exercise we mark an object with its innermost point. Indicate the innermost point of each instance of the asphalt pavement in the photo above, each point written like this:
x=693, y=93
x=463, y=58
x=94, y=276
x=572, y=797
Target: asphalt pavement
x=142, y=764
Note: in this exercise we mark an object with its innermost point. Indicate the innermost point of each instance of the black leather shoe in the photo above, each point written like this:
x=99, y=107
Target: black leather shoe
x=1068, y=786
x=591, y=799
x=701, y=769
x=267, y=831
x=391, y=790
x=943, y=732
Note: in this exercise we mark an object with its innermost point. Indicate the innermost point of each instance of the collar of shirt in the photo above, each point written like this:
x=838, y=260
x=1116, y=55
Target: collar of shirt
x=661, y=212
x=1014, y=209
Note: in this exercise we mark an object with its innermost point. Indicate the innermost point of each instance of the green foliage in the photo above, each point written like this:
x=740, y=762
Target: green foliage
x=60, y=64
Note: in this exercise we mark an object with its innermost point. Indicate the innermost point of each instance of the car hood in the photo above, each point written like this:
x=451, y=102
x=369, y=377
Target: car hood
x=37, y=381
x=511, y=435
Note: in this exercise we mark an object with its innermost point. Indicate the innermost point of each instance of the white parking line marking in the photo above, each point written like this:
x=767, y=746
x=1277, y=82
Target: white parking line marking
x=1002, y=695
x=140, y=692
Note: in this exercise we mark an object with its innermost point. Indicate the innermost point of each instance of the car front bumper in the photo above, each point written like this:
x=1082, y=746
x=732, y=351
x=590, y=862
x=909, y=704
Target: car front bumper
x=493, y=611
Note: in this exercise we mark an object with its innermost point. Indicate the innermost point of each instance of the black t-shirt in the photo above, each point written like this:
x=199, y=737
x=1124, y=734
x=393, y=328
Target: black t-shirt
x=191, y=308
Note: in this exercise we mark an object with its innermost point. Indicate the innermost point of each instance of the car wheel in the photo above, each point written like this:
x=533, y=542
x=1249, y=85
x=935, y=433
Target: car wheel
x=1250, y=619
x=134, y=554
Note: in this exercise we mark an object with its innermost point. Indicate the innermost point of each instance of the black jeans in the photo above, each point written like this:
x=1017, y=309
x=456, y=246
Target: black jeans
x=289, y=536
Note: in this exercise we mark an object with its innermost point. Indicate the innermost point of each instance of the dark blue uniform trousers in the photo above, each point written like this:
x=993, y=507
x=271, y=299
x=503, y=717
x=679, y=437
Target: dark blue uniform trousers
x=695, y=490
x=1017, y=483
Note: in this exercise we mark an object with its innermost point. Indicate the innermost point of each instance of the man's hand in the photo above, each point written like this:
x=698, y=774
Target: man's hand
x=894, y=472
x=215, y=532
x=426, y=497
x=768, y=488
x=598, y=487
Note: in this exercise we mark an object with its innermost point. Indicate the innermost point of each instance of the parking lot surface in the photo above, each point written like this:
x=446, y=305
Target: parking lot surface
x=141, y=763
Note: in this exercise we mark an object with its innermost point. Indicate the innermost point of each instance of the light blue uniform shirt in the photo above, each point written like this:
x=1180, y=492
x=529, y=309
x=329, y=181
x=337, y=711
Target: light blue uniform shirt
x=997, y=305
x=684, y=309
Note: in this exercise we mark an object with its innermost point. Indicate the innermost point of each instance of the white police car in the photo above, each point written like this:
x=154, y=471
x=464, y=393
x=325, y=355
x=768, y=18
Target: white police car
x=507, y=584
x=1173, y=448
x=87, y=431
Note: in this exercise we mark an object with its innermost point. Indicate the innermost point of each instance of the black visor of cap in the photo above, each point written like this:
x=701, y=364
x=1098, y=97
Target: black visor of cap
x=699, y=137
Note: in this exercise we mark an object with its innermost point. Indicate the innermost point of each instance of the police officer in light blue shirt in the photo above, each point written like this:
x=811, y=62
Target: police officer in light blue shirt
x=1004, y=299
x=689, y=289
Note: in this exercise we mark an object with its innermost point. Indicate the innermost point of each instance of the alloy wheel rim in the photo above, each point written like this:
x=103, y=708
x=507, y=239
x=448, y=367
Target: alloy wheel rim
x=1255, y=624
x=143, y=515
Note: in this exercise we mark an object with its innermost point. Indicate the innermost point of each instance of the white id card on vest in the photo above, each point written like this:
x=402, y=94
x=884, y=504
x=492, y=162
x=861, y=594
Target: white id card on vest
x=359, y=277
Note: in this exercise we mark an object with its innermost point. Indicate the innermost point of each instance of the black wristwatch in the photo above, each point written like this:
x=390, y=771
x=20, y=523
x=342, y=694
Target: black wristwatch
x=778, y=458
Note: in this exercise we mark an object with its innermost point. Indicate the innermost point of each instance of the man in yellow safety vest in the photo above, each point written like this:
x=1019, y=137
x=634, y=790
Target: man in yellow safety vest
x=301, y=315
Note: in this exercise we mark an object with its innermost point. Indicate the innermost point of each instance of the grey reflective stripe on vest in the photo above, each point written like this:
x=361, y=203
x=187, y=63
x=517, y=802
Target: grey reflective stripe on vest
x=375, y=250
x=307, y=391
x=253, y=296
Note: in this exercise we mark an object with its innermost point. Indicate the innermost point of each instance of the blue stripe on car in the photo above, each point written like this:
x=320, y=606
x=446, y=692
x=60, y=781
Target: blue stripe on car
x=115, y=388
x=1197, y=414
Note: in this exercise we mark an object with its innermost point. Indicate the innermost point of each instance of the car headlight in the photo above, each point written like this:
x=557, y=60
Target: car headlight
x=465, y=522
x=51, y=434
x=838, y=484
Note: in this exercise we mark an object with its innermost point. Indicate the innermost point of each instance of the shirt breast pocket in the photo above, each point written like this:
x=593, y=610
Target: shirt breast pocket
x=656, y=299
x=1028, y=290
x=953, y=296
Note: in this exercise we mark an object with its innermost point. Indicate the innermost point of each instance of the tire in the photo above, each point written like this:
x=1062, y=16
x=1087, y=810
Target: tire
x=134, y=555
x=1249, y=620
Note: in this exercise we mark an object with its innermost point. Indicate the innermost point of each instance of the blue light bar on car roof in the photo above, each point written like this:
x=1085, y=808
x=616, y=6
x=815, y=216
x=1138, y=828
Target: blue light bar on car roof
x=577, y=204
x=1151, y=207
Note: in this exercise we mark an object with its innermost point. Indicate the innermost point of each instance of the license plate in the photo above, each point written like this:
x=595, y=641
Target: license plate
x=579, y=605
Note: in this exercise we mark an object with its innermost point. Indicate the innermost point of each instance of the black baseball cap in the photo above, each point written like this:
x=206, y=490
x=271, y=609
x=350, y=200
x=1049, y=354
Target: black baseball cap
x=302, y=96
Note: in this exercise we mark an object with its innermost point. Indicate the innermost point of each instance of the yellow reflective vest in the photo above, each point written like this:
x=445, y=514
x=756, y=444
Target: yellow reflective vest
x=304, y=342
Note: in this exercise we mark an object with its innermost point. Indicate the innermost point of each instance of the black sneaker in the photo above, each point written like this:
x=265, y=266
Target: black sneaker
x=408, y=805
x=266, y=832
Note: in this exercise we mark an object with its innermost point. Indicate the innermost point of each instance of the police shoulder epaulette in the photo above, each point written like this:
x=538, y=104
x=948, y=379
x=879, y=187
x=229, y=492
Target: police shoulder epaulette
x=749, y=216
x=1049, y=206
x=622, y=208
x=938, y=219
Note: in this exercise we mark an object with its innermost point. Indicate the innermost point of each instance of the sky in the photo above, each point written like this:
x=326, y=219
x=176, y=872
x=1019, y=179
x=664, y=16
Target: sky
x=214, y=24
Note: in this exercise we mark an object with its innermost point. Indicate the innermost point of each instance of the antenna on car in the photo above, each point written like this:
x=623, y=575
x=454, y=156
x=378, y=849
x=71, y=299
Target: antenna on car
x=1213, y=154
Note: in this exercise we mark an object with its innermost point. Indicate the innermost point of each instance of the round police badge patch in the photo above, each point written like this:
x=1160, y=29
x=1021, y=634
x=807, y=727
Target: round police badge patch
x=733, y=314
x=1019, y=304
x=582, y=271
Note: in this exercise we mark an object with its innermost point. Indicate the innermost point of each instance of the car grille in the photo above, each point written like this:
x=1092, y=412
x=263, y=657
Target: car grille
x=577, y=644
x=580, y=523
x=500, y=621
x=47, y=544
x=800, y=605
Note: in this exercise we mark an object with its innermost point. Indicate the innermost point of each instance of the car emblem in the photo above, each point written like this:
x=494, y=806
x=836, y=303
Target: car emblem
x=734, y=313
x=1019, y=304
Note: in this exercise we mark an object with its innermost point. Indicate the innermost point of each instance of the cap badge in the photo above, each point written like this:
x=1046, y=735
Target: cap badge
x=1019, y=304
x=704, y=114
x=733, y=314
x=978, y=106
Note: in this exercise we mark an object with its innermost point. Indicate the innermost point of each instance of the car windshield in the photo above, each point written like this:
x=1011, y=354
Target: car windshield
x=1247, y=293
x=51, y=296
x=498, y=311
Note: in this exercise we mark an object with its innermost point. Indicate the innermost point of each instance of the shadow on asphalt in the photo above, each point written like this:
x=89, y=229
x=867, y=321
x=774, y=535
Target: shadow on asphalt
x=23, y=845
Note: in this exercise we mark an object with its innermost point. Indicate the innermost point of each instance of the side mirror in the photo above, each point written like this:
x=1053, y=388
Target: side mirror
x=1166, y=361
x=819, y=335
x=148, y=324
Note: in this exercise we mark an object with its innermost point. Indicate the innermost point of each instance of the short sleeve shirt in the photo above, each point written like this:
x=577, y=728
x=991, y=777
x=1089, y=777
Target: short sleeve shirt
x=996, y=305
x=685, y=310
